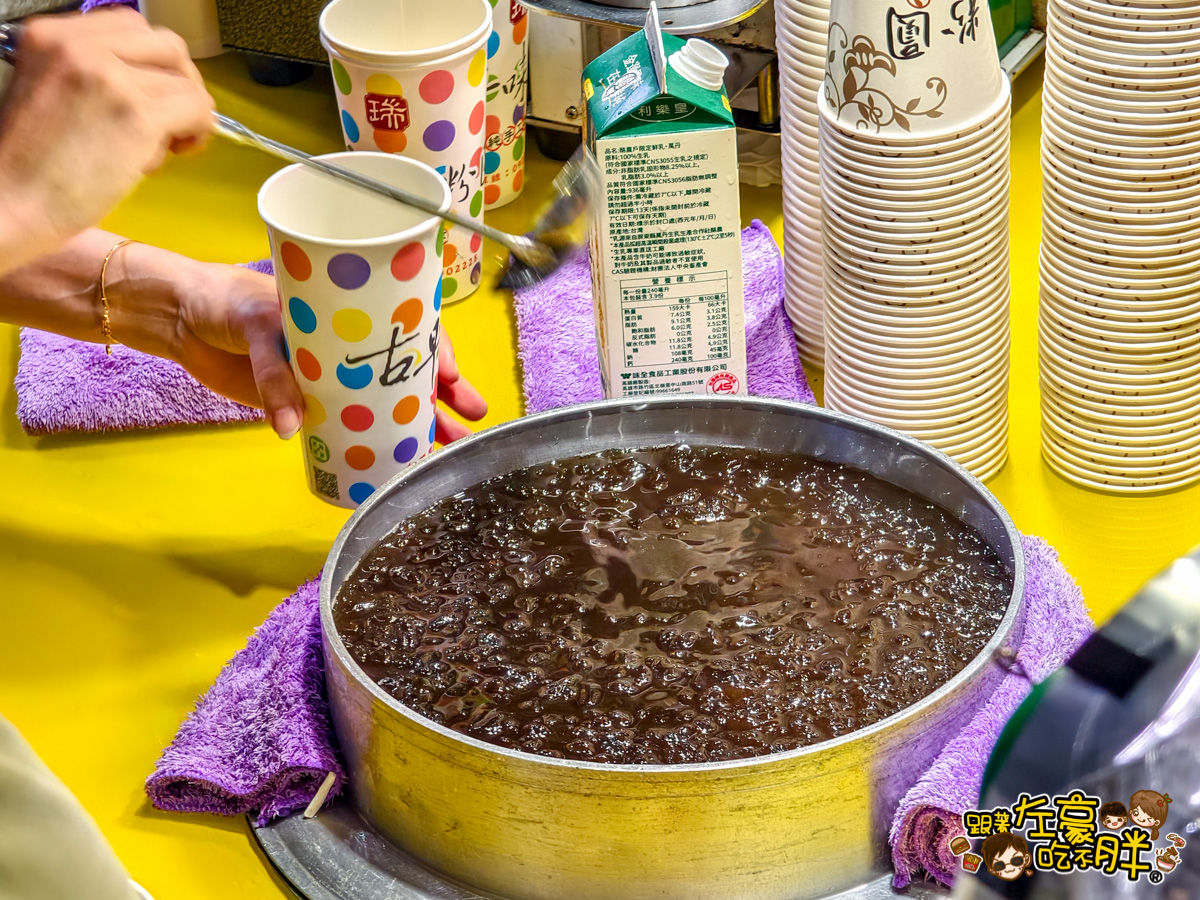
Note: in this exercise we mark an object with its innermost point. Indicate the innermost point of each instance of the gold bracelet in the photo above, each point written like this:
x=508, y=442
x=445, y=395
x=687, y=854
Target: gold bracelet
x=105, y=320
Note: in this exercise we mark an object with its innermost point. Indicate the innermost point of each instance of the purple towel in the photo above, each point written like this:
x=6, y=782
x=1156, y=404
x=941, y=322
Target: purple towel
x=929, y=816
x=68, y=385
x=260, y=739
x=556, y=332
x=89, y=5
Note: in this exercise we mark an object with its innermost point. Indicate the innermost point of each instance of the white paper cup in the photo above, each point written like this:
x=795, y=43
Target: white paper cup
x=863, y=183
x=1114, y=196
x=899, y=284
x=1127, y=409
x=1069, y=162
x=1108, y=106
x=911, y=350
x=924, y=323
x=410, y=79
x=901, y=71
x=1180, y=354
x=969, y=432
x=1121, y=93
x=1118, y=420
x=943, y=200
x=921, y=404
x=1108, y=464
x=507, y=85
x=923, y=146
x=1162, y=270
x=360, y=287
x=1113, y=337
x=972, y=294
x=1099, y=380
x=1114, y=484
x=974, y=218
x=1149, y=441
x=1131, y=49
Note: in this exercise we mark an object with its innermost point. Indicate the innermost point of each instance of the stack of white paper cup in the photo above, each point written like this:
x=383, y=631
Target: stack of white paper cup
x=508, y=74
x=1119, y=318
x=801, y=32
x=914, y=134
x=410, y=80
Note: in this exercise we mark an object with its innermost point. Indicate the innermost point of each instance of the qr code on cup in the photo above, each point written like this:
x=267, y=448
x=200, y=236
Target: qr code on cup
x=326, y=482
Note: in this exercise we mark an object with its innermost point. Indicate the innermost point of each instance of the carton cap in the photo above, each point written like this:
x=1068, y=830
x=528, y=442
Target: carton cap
x=700, y=63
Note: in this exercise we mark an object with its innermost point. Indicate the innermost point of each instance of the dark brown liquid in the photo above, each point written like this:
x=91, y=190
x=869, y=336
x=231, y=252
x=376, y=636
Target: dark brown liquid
x=671, y=605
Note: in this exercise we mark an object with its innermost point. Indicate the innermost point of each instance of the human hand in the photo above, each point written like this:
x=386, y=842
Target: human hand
x=231, y=339
x=457, y=393
x=95, y=103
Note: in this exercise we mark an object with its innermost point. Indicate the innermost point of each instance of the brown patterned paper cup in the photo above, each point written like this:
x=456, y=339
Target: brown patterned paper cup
x=410, y=79
x=911, y=71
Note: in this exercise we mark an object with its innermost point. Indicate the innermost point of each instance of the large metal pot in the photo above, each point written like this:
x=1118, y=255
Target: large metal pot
x=787, y=826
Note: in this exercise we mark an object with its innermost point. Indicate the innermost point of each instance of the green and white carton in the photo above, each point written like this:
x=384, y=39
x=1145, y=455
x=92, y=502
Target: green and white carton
x=666, y=244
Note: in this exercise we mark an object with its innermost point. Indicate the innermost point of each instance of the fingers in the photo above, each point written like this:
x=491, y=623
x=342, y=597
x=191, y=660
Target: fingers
x=454, y=390
x=447, y=364
x=448, y=430
x=229, y=374
x=180, y=110
x=277, y=387
x=462, y=397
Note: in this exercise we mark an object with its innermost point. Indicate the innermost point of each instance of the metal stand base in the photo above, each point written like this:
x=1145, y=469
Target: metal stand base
x=339, y=856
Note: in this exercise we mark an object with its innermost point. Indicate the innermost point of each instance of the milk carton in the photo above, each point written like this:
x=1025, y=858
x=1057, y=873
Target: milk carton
x=666, y=243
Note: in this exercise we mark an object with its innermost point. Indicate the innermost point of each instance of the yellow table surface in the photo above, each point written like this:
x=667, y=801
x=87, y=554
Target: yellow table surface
x=134, y=565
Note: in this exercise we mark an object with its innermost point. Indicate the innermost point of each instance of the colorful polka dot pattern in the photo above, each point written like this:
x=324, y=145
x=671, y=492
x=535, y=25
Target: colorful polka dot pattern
x=351, y=325
x=341, y=309
x=445, y=125
x=504, y=162
x=360, y=491
x=350, y=127
x=349, y=271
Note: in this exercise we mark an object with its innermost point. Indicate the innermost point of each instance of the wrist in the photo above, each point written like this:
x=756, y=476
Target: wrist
x=26, y=233
x=146, y=289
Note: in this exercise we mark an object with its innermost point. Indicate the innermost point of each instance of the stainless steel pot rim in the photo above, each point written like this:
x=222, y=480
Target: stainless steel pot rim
x=1005, y=631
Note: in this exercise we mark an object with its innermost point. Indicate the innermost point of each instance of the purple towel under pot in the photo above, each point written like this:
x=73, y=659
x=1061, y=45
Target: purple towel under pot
x=261, y=741
x=1056, y=622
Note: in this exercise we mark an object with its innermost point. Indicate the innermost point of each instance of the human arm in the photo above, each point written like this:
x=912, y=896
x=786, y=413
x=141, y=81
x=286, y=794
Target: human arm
x=219, y=322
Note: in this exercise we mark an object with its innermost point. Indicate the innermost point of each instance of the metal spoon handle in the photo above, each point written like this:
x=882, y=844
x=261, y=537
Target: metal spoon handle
x=236, y=131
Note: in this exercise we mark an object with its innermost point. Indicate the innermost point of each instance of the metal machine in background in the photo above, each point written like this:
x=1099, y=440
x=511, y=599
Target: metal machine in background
x=1122, y=715
x=280, y=39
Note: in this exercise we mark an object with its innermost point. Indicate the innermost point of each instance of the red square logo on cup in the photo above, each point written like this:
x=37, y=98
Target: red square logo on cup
x=516, y=12
x=387, y=112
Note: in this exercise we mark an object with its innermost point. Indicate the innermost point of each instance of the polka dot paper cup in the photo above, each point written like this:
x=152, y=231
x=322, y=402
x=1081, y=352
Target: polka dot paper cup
x=508, y=70
x=360, y=282
x=410, y=79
